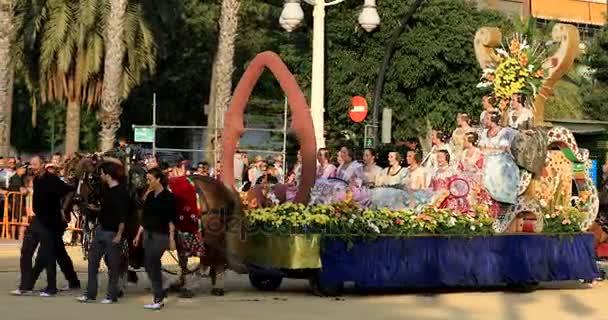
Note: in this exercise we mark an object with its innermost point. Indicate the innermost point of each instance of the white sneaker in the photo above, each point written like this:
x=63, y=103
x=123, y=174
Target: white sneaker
x=19, y=292
x=108, y=301
x=45, y=294
x=84, y=299
x=154, y=306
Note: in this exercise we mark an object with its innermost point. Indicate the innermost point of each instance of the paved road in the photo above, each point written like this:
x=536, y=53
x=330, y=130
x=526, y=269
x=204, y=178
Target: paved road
x=293, y=301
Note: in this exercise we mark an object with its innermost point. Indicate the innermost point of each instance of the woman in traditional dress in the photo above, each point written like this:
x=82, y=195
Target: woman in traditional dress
x=297, y=168
x=439, y=139
x=458, y=136
x=351, y=171
x=471, y=169
x=389, y=191
x=324, y=169
x=441, y=177
x=416, y=176
x=471, y=163
x=394, y=175
x=500, y=175
x=443, y=185
x=520, y=117
x=488, y=103
x=371, y=170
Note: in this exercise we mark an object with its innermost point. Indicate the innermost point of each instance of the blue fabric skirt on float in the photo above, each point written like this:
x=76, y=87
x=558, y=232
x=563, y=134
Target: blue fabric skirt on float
x=456, y=261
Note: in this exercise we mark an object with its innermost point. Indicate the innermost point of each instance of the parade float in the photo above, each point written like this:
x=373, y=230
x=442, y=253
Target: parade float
x=539, y=237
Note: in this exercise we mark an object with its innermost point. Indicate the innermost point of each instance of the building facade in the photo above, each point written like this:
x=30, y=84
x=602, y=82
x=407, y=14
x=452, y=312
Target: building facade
x=588, y=15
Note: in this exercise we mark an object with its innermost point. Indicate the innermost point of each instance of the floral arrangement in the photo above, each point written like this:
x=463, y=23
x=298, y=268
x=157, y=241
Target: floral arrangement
x=346, y=220
x=518, y=69
x=564, y=220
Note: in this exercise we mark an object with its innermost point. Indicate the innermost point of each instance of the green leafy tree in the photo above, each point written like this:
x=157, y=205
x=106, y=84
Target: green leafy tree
x=432, y=75
x=596, y=104
x=61, y=46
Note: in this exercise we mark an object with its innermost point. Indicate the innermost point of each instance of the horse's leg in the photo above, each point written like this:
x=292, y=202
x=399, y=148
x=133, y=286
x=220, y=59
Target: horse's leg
x=218, y=280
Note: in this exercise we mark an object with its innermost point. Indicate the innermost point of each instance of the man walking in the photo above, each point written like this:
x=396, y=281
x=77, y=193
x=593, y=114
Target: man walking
x=46, y=224
x=109, y=234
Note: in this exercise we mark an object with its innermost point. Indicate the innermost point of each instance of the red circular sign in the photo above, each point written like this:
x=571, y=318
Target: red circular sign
x=358, y=112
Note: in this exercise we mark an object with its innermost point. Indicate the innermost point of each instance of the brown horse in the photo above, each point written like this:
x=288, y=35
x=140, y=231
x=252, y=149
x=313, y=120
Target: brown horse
x=220, y=208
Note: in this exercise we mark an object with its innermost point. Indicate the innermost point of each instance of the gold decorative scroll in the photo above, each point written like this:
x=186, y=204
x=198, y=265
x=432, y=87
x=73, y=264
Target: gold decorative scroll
x=488, y=38
x=297, y=251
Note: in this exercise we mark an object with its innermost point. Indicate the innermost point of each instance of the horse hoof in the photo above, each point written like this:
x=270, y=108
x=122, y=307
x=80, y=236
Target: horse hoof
x=217, y=292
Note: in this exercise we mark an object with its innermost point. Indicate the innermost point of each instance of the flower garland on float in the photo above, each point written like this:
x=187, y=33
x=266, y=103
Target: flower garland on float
x=347, y=221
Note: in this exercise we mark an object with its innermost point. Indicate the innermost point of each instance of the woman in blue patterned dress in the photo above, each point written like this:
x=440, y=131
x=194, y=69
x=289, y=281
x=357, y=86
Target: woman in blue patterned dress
x=500, y=173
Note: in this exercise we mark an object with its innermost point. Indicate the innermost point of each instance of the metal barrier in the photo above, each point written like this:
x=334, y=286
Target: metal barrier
x=16, y=213
x=17, y=210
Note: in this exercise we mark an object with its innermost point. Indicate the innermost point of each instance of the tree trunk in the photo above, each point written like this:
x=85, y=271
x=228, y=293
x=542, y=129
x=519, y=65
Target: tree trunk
x=72, y=127
x=221, y=78
x=111, y=97
x=6, y=75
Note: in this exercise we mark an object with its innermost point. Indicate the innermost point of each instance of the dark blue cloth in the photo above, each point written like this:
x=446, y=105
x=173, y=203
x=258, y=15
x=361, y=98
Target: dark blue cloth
x=441, y=261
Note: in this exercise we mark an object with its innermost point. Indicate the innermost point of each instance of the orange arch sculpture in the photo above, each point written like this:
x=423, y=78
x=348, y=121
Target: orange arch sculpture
x=301, y=123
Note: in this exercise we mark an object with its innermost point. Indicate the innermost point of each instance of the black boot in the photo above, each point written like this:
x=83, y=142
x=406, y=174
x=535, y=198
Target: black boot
x=218, y=292
x=132, y=276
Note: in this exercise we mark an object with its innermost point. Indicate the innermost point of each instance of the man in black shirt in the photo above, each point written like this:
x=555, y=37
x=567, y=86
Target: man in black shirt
x=109, y=234
x=47, y=223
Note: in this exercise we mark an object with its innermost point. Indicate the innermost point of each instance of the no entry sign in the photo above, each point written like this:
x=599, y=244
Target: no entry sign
x=358, y=112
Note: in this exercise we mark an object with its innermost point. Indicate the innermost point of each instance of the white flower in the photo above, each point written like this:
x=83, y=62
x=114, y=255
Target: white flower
x=351, y=221
x=483, y=85
x=543, y=203
x=473, y=228
x=353, y=216
x=480, y=225
x=451, y=222
x=502, y=52
x=547, y=216
x=374, y=227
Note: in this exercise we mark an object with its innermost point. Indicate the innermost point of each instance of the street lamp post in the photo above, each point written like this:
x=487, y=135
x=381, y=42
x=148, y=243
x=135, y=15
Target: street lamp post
x=291, y=16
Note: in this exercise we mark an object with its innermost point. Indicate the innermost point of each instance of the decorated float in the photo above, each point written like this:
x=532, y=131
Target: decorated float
x=330, y=232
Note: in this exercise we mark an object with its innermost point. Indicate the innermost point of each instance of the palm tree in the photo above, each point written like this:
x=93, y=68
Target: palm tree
x=111, y=95
x=6, y=74
x=221, y=76
x=61, y=43
x=130, y=50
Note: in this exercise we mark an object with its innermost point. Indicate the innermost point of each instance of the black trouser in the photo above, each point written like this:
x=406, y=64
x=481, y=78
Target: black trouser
x=155, y=245
x=37, y=233
x=103, y=246
x=63, y=260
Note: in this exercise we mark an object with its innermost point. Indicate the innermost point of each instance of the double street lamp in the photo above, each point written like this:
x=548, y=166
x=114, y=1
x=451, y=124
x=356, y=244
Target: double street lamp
x=291, y=16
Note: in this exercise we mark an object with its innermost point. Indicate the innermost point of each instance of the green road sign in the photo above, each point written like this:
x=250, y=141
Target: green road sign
x=369, y=143
x=144, y=134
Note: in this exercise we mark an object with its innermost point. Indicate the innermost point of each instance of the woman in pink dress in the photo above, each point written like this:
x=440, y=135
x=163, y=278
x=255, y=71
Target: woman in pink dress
x=325, y=169
x=470, y=168
x=445, y=181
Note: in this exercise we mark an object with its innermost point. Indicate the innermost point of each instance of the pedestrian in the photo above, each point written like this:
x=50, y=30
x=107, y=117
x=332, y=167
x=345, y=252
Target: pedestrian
x=158, y=231
x=108, y=234
x=47, y=223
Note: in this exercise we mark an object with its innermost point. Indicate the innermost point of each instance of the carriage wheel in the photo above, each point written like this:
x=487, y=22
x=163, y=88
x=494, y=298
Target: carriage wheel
x=264, y=282
x=322, y=289
x=170, y=264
